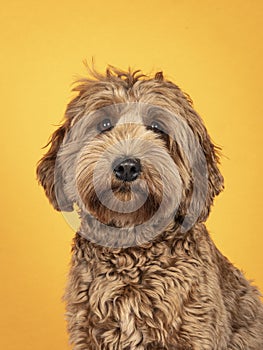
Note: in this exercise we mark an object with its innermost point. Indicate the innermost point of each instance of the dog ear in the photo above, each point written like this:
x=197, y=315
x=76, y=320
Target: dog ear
x=53, y=185
x=215, y=180
x=206, y=180
x=206, y=183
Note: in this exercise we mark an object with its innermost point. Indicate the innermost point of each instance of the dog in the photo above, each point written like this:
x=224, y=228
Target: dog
x=135, y=161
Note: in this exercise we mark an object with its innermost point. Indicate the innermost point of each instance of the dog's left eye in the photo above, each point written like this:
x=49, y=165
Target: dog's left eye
x=156, y=127
x=104, y=125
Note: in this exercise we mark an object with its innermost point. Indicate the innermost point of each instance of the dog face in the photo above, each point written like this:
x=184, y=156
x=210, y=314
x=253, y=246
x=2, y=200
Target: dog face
x=131, y=151
x=121, y=171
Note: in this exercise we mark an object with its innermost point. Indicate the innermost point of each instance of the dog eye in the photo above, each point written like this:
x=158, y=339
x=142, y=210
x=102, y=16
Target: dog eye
x=155, y=127
x=104, y=125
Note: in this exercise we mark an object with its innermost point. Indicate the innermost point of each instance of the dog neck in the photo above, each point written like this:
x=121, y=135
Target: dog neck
x=99, y=237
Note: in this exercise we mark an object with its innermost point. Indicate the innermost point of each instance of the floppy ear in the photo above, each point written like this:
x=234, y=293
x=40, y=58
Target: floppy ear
x=215, y=179
x=53, y=185
x=206, y=181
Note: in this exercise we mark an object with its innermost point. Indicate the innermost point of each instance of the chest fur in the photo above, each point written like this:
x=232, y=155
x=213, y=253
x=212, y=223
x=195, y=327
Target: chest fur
x=133, y=302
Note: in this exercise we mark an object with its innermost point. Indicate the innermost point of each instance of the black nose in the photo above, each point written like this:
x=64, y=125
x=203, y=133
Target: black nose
x=127, y=169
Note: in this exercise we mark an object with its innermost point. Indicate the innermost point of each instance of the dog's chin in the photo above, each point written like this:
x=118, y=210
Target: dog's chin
x=115, y=215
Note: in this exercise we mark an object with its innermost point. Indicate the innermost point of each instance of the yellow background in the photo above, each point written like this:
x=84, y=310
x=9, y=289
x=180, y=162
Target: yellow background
x=212, y=49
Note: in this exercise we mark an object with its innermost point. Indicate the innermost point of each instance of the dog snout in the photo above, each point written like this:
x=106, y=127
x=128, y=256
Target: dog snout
x=127, y=169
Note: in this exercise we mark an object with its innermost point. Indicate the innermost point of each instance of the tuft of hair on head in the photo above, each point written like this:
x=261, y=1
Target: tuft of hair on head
x=114, y=74
x=159, y=76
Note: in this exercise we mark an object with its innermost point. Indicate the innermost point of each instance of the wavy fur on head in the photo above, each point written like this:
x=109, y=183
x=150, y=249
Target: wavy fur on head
x=145, y=273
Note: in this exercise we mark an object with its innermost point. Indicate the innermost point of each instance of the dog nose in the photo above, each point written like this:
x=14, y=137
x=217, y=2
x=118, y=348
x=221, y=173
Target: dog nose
x=128, y=169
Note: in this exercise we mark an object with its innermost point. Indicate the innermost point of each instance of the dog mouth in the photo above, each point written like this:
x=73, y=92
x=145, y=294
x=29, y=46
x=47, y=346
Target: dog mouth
x=119, y=188
x=122, y=187
x=124, y=193
x=120, y=203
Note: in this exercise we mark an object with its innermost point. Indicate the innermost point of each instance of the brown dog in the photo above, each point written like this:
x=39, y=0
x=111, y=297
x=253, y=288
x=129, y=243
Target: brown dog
x=137, y=161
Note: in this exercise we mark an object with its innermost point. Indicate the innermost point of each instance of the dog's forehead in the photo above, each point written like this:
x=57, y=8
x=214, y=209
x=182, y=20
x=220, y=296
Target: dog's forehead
x=134, y=112
x=122, y=113
x=132, y=116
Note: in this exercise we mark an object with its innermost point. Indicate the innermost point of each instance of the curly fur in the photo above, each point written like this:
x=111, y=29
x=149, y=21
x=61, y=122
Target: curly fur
x=145, y=289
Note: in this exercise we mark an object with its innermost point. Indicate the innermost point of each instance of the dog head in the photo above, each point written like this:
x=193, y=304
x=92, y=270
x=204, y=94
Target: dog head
x=131, y=149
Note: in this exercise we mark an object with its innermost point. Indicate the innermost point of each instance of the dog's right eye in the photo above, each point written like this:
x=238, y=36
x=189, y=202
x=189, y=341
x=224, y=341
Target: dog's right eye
x=104, y=125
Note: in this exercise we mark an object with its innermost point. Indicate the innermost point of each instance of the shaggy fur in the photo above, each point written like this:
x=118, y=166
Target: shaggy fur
x=145, y=273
